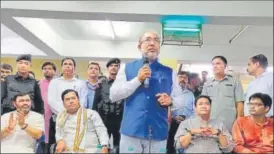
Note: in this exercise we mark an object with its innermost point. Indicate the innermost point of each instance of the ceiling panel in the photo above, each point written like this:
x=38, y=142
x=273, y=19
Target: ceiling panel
x=100, y=30
x=256, y=36
x=13, y=44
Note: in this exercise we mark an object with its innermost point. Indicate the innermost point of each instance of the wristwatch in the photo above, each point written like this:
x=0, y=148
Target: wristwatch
x=218, y=132
x=189, y=132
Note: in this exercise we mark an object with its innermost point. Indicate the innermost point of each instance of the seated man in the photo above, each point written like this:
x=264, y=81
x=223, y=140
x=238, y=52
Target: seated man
x=79, y=129
x=254, y=133
x=21, y=128
x=201, y=134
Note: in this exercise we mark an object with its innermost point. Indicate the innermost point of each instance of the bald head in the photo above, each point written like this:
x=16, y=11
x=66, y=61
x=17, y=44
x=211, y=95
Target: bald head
x=148, y=33
x=149, y=45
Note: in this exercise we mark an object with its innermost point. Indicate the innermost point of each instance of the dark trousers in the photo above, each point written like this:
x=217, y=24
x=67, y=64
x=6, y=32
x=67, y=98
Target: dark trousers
x=52, y=132
x=113, y=124
x=170, y=141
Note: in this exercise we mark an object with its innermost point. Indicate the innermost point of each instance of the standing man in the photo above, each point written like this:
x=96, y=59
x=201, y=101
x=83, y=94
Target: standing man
x=226, y=93
x=204, y=77
x=147, y=86
x=194, y=84
x=263, y=82
x=181, y=111
x=6, y=70
x=92, y=83
x=183, y=79
x=60, y=84
x=49, y=70
x=111, y=112
x=21, y=82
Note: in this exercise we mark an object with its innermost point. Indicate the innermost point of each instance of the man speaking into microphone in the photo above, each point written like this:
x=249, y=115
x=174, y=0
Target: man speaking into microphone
x=147, y=87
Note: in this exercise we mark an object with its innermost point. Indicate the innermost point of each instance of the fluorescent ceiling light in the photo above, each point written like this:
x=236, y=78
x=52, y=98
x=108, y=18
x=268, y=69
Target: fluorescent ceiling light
x=182, y=29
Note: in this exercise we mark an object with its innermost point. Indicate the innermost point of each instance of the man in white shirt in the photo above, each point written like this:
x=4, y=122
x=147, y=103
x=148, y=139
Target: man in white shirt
x=21, y=128
x=60, y=84
x=263, y=82
x=148, y=87
x=79, y=129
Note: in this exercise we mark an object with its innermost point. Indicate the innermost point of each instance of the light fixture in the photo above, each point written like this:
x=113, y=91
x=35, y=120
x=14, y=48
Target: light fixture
x=182, y=29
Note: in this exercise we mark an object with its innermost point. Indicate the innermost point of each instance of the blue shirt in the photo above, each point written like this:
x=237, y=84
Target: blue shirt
x=262, y=84
x=91, y=94
x=186, y=107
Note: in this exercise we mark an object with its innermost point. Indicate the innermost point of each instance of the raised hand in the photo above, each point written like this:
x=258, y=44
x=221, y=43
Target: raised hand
x=12, y=122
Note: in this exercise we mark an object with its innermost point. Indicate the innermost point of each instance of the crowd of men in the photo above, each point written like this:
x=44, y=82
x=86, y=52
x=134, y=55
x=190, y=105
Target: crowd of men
x=145, y=106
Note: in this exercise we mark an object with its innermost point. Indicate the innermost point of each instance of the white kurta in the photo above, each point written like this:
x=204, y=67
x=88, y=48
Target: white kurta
x=20, y=141
x=96, y=132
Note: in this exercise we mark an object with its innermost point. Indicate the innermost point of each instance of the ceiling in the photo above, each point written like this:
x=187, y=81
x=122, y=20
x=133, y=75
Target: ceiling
x=96, y=29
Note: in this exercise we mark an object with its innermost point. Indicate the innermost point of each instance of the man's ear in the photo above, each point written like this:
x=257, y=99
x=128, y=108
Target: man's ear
x=14, y=104
x=267, y=108
x=139, y=46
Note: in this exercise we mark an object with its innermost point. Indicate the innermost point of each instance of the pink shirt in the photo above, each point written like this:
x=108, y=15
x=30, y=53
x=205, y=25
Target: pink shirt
x=44, y=84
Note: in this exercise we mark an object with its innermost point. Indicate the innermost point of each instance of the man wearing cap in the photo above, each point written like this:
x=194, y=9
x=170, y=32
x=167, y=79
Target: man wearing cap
x=110, y=112
x=21, y=82
x=148, y=87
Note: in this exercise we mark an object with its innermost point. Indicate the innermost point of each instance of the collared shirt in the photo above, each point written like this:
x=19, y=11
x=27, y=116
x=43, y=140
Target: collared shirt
x=250, y=136
x=186, y=107
x=96, y=132
x=224, y=95
x=15, y=84
x=122, y=88
x=44, y=84
x=201, y=144
x=262, y=84
x=91, y=94
x=58, y=85
x=19, y=141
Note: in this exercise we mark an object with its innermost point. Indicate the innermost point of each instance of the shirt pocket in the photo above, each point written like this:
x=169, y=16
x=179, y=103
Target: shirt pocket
x=229, y=91
x=211, y=90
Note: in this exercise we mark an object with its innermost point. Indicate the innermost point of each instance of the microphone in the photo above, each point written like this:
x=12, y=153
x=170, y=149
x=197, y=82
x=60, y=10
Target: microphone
x=146, y=82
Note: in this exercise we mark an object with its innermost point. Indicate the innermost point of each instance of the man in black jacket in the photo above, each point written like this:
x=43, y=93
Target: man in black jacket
x=111, y=113
x=19, y=83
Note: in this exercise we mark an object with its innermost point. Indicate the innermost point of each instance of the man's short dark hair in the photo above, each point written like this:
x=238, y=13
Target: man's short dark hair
x=96, y=64
x=7, y=67
x=18, y=95
x=220, y=57
x=193, y=76
x=49, y=63
x=261, y=59
x=183, y=73
x=68, y=58
x=68, y=91
x=202, y=96
x=266, y=99
x=205, y=72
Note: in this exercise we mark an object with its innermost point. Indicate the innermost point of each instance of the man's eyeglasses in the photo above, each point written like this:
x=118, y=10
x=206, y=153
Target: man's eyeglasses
x=255, y=104
x=149, y=40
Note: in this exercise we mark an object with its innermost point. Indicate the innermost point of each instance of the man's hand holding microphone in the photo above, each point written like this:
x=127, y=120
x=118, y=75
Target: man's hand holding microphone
x=144, y=74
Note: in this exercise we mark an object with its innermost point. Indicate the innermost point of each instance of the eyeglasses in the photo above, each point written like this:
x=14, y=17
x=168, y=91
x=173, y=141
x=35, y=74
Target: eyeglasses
x=149, y=40
x=255, y=104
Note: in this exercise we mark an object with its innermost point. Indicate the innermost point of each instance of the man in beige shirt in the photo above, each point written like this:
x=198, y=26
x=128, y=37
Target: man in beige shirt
x=21, y=128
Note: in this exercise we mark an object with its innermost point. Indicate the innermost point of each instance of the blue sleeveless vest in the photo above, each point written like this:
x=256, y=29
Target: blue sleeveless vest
x=143, y=116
